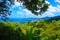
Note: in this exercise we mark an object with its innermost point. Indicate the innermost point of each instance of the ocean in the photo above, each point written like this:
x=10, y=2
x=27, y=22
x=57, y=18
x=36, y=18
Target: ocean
x=21, y=20
x=24, y=19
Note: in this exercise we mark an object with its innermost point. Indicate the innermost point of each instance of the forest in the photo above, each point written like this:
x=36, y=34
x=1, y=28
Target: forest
x=35, y=30
x=40, y=30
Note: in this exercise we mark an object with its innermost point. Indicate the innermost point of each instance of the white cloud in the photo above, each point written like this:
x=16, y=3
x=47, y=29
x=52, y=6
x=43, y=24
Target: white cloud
x=27, y=14
x=24, y=11
x=52, y=9
x=47, y=2
x=58, y=1
x=17, y=4
x=58, y=8
x=50, y=12
x=27, y=11
x=19, y=12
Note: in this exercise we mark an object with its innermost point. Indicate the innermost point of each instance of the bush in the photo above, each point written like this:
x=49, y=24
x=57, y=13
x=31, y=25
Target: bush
x=7, y=32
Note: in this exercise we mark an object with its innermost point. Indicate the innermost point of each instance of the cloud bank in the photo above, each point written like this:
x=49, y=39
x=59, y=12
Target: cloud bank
x=58, y=1
x=23, y=12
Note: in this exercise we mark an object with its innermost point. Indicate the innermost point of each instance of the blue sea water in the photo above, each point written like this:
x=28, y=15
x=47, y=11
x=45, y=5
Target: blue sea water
x=21, y=20
x=24, y=19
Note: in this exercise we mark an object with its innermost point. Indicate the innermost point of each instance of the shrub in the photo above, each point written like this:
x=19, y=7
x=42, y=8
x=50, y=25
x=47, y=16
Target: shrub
x=7, y=32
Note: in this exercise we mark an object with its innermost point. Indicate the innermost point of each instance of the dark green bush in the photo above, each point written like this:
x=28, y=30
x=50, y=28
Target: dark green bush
x=7, y=32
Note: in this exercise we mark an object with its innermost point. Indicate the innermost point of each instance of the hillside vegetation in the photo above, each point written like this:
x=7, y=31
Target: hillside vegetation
x=40, y=30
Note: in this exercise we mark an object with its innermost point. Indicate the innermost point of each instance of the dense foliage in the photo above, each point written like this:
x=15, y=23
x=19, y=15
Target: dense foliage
x=36, y=6
x=40, y=30
x=4, y=10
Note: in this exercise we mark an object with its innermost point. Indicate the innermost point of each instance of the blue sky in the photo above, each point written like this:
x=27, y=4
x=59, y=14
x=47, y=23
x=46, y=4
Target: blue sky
x=19, y=11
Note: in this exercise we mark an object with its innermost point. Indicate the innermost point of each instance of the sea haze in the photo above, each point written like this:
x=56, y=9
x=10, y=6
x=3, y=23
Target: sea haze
x=24, y=19
x=27, y=19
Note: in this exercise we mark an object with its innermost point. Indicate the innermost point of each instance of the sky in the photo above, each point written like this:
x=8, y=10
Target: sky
x=19, y=11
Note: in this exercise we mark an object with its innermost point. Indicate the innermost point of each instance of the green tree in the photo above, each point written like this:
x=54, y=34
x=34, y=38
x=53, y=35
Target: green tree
x=35, y=5
x=4, y=10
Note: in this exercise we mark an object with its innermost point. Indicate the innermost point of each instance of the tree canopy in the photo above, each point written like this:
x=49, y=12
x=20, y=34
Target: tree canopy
x=39, y=30
x=37, y=7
